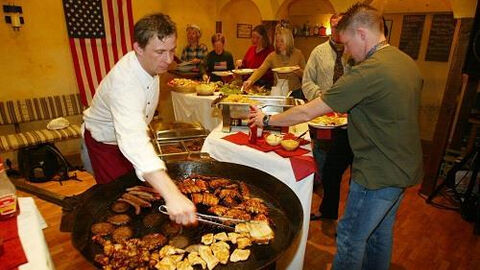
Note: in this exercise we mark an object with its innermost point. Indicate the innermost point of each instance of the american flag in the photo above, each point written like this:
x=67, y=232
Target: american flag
x=99, y=33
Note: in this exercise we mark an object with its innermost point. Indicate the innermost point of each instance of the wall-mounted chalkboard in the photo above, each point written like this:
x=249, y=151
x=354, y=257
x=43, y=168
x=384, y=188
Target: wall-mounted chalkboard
x=441, y=35
x=411, y=36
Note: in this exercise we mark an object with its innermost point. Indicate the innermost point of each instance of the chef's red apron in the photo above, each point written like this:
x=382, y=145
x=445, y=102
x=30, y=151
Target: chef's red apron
x=107, y=160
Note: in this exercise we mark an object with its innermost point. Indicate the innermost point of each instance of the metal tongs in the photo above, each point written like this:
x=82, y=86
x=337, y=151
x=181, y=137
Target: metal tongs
x=209, y=219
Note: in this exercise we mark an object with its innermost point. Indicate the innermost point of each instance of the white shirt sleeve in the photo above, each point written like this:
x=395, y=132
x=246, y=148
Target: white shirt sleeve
x=131, y=128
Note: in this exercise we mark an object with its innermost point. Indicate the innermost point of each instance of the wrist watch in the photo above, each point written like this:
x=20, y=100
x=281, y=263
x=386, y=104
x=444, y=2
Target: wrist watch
x=266, y=119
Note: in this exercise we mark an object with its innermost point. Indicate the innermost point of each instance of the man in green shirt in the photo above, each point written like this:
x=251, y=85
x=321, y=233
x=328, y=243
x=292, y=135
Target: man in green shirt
x=381, y=93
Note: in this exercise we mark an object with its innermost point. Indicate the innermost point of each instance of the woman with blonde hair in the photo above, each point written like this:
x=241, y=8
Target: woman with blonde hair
x=285, y=55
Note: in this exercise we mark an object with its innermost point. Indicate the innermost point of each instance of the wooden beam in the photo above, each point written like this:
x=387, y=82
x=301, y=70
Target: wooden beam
x=449, y=103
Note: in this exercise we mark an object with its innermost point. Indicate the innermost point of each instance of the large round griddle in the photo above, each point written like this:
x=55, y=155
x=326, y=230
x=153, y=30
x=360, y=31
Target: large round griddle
x=285, y=210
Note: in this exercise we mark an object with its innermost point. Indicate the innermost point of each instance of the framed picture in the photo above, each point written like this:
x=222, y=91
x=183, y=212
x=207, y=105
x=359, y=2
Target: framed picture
x=389, y=24
x=244, y=30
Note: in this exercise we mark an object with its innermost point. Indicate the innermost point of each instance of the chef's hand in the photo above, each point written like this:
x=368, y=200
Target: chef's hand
x=181, y=209
x=247, y=84
x=255, y=117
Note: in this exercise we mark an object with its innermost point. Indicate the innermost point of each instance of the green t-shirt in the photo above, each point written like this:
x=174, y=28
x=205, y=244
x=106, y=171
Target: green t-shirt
x=382, y=96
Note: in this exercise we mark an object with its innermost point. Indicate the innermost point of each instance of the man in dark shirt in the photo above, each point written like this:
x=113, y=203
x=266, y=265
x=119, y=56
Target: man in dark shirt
x=218, y=59
x=381, y=93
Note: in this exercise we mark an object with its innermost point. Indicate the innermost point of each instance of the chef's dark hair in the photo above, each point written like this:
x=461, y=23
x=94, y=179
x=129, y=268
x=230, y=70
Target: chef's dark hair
x=158, y=24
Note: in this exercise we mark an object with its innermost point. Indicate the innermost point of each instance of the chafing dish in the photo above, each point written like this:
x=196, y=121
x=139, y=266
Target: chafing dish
x=234, y=113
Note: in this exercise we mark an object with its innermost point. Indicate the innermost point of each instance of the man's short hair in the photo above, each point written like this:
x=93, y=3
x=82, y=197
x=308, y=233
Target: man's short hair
x=361, y=14
x=159, y=25
x=195, y=28
x=218, y=37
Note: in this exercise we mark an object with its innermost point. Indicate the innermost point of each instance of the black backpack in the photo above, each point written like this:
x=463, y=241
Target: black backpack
x=42, y=162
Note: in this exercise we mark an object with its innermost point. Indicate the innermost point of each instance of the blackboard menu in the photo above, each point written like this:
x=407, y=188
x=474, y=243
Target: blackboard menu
x=440, y=40
x=411, y=35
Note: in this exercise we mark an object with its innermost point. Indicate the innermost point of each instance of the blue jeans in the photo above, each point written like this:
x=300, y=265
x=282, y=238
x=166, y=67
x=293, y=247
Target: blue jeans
x=365, y=232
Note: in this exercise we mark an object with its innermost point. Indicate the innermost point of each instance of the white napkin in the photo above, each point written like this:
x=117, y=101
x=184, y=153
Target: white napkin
x=58, y=123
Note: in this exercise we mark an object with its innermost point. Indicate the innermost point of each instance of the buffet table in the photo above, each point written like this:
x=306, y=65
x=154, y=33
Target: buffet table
x=189, y=107
x=30, y=225
x=276, y=166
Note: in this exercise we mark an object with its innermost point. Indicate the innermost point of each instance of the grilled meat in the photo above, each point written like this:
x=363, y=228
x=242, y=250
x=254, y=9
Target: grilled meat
x=220, y=182
x=237, y=214
x=139, y=201
x=207, y=255
x=240, y=255
x=120, y=219
x=232, y=193
x=122, y=233
x=152, y=220
x=218, y=210
x=153, y=241
x=255, y=206
x=204, y=198
x=120, y=207
x=136, y=206
x=102, y=228
x=188, y=188
x=244, y=190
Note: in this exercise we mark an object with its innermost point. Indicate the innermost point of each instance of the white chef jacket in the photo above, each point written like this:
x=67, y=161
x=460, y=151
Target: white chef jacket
x=123, y=106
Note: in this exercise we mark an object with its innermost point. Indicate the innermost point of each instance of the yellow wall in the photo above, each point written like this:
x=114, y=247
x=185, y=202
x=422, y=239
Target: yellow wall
x=230, y=17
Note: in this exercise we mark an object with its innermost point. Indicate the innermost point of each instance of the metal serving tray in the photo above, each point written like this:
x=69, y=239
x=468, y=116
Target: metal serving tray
x=232, y=112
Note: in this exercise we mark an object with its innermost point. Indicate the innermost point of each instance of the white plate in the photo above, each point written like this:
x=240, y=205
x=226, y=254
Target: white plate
x=322, y=126
x=285, y=69
x=243, y=71
x=222, y=73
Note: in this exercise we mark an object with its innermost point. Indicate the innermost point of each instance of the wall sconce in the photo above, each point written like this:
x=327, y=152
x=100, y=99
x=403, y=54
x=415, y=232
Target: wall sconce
x=13, y=16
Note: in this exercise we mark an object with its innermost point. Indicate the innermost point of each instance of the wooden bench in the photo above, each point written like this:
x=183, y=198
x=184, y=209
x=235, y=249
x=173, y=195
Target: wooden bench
x=16, y=112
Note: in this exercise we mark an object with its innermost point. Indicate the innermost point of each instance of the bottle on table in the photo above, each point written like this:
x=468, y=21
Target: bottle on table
x=8, y=195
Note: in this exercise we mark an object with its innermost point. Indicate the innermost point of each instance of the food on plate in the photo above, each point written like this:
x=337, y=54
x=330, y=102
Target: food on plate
x=120, y=207
x=181, y=82
x=243, y=71
x=207, y=255
x=206, y=89
x=330, y=120
x=273, y=139
x=222, y=73
x=289, y=145
x=179, y=241
x=102, y=228
x=122, y=233
x=286, y=69
x=239, y=99
x=152, y=220
x=154, y=240
x=207, y=239
x=240, y=255
x=120, y=219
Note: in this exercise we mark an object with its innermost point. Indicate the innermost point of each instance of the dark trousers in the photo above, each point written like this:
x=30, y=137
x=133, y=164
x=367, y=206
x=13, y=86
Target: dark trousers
x=333, y=156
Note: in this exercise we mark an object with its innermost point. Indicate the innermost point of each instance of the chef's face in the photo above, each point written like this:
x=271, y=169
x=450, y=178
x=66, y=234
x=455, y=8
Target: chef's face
x=354, y=43
x=157, y=54
x=218, y=47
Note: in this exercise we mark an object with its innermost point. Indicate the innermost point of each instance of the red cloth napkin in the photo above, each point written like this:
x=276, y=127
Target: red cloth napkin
x=302, y=166
x=241, y=138
x=13, y=254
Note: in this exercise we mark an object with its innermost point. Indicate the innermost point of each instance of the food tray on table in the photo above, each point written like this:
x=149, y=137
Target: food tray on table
x=236, y=107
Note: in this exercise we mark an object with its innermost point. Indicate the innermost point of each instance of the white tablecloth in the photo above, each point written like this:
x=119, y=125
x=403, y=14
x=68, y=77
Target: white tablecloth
x=193, y=108
x=30, y=225
x=276, y=166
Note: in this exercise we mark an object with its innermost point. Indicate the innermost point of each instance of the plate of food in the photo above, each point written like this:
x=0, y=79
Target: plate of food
x=222, y=73
x=286, y=69
x=183, y=85
x=329, y=121
x=243, y=71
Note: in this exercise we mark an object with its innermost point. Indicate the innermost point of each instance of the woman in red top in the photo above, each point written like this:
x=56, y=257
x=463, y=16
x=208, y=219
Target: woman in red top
x=257, y=53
